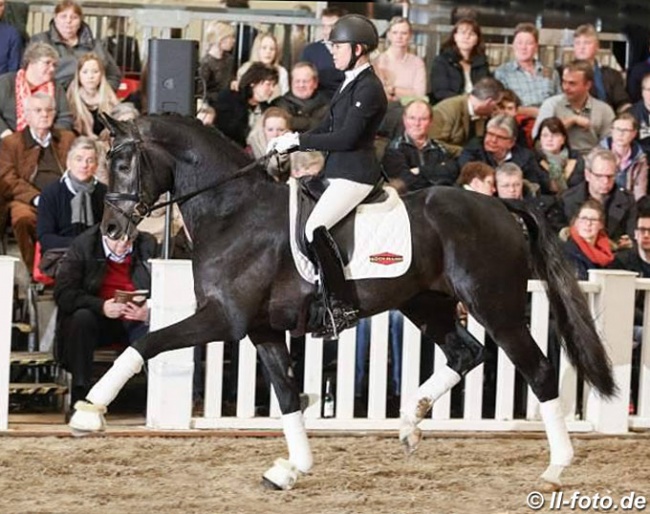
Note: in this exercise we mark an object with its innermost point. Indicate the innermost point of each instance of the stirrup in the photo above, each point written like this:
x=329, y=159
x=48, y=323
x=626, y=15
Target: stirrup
x=338, y=318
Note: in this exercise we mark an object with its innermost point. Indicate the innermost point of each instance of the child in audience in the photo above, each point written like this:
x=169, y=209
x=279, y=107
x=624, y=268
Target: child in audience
x=273, y=123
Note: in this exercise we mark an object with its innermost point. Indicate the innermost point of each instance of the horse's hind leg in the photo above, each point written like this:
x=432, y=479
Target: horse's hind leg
x=274, y=355
x=435, y=315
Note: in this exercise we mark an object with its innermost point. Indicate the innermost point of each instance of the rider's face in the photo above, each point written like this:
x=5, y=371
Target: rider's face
x=342, y=53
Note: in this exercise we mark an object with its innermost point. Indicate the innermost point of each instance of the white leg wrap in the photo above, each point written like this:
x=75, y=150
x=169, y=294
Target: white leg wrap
x=437, y=385
x=556, y=432
x=300, y=455
x=124, y=367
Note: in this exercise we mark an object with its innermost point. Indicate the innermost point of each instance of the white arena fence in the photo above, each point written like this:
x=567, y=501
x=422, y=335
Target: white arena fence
x=611, y=296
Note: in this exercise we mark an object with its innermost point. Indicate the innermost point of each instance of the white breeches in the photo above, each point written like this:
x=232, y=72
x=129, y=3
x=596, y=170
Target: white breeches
x=337, y=201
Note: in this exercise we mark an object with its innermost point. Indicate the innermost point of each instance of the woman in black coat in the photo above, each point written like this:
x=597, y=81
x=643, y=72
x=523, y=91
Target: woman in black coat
x=347, y=136
x=461, y=63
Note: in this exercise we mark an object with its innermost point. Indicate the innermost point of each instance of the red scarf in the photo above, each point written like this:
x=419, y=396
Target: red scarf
x=23, y=90
x=600, y=253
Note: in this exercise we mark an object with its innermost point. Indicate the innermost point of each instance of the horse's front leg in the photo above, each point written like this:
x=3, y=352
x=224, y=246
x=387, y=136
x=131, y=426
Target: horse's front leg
x=273, y=353
x=207, y=324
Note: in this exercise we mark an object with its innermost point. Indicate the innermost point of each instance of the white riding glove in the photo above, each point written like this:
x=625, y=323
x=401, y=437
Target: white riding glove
x=285, y=143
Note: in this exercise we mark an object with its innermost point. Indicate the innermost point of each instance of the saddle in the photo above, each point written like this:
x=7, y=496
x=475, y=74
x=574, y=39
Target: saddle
x=310, y=191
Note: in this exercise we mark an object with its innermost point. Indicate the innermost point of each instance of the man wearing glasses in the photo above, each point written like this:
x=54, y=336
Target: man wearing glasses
x=600, y=184
x=30, y=160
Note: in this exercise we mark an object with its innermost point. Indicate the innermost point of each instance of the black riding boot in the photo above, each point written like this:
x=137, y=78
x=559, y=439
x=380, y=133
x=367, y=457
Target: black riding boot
x=337, y=296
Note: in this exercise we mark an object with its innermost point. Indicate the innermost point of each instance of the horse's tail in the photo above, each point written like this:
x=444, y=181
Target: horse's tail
x=568, y=303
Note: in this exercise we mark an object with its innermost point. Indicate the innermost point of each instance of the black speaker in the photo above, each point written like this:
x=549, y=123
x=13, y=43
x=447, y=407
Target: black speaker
x=172, y=71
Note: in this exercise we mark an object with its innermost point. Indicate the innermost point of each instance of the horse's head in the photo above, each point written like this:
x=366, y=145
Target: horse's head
x=133, y=186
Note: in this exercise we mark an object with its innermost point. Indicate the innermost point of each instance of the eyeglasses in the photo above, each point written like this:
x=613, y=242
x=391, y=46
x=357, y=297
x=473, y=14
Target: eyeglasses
x=623, y=130
x=601, y=176
x=498, y=136
x=588, y=220
x=40, y=110
x=643, y=230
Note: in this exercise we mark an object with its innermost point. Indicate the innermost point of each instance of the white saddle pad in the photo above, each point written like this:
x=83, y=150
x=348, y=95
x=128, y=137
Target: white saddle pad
x=382, y=239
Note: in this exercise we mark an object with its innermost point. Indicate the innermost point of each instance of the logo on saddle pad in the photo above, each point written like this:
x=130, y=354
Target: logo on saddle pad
x=386, y=258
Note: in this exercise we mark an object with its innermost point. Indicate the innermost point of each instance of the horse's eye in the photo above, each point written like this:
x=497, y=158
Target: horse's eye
x=122, y=168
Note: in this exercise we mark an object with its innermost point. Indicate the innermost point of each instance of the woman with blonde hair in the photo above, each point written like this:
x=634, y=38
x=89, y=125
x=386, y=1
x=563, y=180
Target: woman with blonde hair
x=267, y=51
x=90, y=94
x=402, y=73
x=217, y=66
x=273, y=123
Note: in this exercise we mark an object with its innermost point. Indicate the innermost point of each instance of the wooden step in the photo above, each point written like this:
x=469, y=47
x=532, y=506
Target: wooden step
x=46, y=388
x=32, y=359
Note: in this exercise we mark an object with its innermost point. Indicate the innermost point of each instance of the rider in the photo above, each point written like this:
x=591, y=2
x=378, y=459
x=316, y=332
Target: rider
x=347, y=137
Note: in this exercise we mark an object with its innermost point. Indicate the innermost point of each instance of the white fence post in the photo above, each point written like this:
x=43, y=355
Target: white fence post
x=614, y=317
x=7, y=265
x=169, y=393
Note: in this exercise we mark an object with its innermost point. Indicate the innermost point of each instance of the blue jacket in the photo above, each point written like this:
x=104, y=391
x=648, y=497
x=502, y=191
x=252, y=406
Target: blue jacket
x=11, y=48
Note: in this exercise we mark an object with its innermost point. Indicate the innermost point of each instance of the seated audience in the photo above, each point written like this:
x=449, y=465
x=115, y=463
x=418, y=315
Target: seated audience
x=93, y=269
x=608, y=84
x=477, y=177
x=499, y=146
x=641, y=112
x=11, y=45
x=237, y=111
x=587, y=119
x=632, y=174
x=636, y=78
x=89, y=95
x=402, y=73
x=36, y=76
x=509, y=182
x=306, y=104
x=600, y=184
x=274, y=123
x=267, y=51
x=565, y=167
x=413, y=160
x=306, y=164
x=588, y=246
x=217, y=66
x=530, y=80
x=317, y=53
x=73, y=203
x=72, y=38
x=461, y=63
x=30, y=160
x=461, y=118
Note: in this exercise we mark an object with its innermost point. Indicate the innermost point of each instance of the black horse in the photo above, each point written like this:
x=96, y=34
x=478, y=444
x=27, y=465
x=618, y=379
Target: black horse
x=466, y=247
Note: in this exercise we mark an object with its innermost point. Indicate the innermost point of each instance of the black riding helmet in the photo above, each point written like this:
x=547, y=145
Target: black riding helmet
x=356, y=30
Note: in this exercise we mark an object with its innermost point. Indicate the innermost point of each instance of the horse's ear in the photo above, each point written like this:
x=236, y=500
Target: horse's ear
x=115, y=127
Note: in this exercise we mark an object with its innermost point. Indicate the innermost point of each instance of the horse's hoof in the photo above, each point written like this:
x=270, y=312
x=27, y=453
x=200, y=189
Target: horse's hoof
x=87, y=418
x=281, y=477
x=410, y=436
x=551, y=479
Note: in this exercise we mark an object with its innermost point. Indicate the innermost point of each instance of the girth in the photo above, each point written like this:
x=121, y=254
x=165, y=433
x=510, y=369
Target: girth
x=310, y=191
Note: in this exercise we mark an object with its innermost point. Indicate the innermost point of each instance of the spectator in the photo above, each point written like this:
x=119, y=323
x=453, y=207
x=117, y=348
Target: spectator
x=641, y=111
x=530, y=80
x=37, y=75
x=274, y=123
x=124, y=111
x=461, y=63
x=217, y=66
x=94, y=267
x=123, y=48
x=317, y=53
x=600, y=184
x=413, y=160
x=587, y=119
x=477, y=177
x=75, y=202
x=402, y=73
x=89, y=95
x=498, y=146
x=608, y=84
x=237, y=111
x=632, y=173
x=636, y=79
x=565, y=166
x=11, y=44
x=306, y=164
x=29, y=161
x=72, y=38
x=588, y=246
x=461, y=118
x=509, y=182
x=304, y=102
x=267, y=51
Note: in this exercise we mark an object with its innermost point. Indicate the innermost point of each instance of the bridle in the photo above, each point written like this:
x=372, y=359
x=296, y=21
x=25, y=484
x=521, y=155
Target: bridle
x=140, y=209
